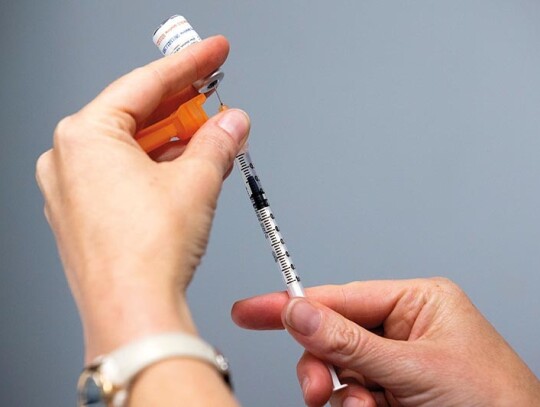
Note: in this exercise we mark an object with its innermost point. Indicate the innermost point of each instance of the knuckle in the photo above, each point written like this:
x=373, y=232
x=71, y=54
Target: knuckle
x=47, y=214
x=43, y=171
x=43, y=163
x=446, y=288
x=216, y=141
x=64, y=130
x=113, y=122
x=78, y=129
x=220, y=142
x=441, y=280
x=64, y=124
x=141, y=73
x=205, y=171
x=346, y=340
x=303, y=364
x=300, y=369
x=156, y=73
x=444, y=284
x=147, y=74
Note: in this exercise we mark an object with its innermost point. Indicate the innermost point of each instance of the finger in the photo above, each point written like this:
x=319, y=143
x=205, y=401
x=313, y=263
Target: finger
x=371, y=304
x=47, y=182
x=136, y=95
x=381, y=399
x=314, y=380
x=169, y=151
x=352, y=376
x=229, y=170
x=335, y=339
x=368, y=303
x=262, y=312
x=207, y=158
x=47, y=213
x=353, y=395
x=170, y=105
x=218, y=141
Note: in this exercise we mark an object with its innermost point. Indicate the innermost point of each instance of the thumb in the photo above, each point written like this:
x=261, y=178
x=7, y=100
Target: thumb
x=218, y=141
x=335, y=339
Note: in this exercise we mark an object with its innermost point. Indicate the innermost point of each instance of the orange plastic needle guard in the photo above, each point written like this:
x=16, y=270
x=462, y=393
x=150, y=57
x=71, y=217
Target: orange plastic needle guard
x=183, y=124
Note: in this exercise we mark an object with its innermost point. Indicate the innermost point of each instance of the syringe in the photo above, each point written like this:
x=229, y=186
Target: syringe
x=268, y=223
x=266, y=218
x=171, y=36
x=271, y=231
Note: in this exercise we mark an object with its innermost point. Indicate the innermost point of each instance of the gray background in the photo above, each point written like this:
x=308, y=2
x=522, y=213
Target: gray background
x=394, y=139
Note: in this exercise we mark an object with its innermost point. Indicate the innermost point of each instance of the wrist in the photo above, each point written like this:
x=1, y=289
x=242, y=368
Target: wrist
x=111, y=319
x=110, y=379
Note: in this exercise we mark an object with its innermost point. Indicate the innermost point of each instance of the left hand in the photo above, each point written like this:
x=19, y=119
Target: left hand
x=131, y=231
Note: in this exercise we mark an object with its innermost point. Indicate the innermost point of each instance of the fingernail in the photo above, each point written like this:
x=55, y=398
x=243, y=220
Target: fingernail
x=236, y=123
x=303, y=317
x=353, y=402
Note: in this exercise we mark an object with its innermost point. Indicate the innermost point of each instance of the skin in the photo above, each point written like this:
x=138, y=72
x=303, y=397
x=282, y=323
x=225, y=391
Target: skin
x=397, y=343
x=130, y=229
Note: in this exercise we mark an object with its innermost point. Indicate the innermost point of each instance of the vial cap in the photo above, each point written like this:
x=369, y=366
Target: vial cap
x=174, y=34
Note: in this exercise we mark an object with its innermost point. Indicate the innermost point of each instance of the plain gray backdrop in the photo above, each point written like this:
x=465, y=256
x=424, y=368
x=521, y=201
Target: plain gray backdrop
x=394, y=140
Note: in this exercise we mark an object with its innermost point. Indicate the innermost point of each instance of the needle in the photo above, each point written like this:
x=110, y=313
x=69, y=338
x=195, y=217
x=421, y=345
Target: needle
x=222, y=106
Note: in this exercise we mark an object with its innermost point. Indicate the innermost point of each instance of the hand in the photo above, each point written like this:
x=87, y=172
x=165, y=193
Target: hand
x=130, y=230
x=398, y=343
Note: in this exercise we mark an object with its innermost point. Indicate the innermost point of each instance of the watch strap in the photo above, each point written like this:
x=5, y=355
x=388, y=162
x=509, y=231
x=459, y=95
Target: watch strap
x=121, y=365
x=118, y=368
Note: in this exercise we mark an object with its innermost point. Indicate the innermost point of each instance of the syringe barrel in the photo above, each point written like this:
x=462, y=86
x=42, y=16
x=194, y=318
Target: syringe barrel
x=295, y=289
x=268, y=224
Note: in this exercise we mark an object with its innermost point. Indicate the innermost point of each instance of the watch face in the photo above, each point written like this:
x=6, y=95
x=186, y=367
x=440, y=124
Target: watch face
x=90, y=392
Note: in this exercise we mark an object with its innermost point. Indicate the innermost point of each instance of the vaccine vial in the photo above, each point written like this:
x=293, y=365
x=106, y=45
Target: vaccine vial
x=175, y=34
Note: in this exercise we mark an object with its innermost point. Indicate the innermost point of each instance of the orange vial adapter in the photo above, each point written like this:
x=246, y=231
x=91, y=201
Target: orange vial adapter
x=182, y=124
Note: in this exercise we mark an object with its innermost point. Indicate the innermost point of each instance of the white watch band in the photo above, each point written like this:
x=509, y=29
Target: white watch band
x=123, y=364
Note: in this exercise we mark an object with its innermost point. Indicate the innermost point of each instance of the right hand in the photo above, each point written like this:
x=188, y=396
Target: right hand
x=397, y=343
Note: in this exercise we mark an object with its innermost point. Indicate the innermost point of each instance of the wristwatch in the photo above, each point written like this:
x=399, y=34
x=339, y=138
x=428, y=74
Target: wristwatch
x=105, y=382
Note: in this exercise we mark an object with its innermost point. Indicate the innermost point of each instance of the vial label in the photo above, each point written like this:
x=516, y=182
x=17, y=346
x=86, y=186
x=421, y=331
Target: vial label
x=174, y=35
